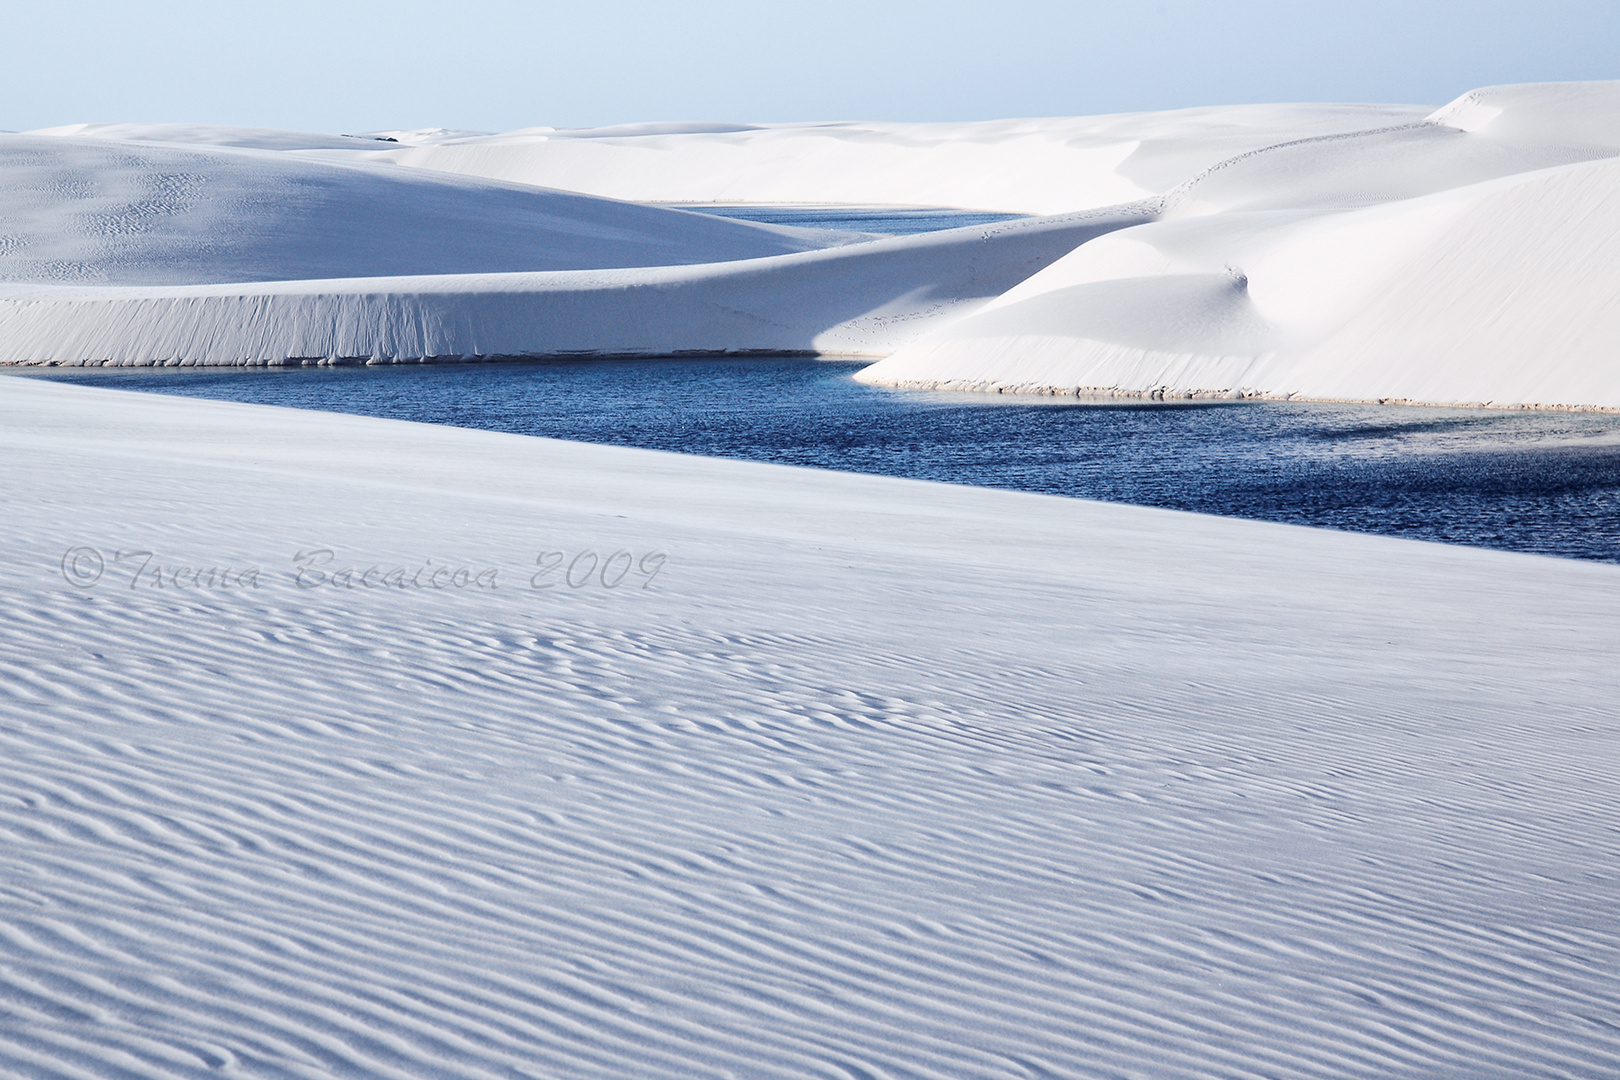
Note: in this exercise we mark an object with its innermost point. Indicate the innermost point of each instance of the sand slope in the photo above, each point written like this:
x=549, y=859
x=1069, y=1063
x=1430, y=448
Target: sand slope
x=860, y=299
x=143, y=251
x=877, y=778
x=1471, y=277
x=79, y=210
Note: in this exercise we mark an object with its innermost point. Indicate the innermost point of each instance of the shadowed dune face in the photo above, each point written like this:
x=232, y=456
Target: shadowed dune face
x=80, y=210
x=862, y=299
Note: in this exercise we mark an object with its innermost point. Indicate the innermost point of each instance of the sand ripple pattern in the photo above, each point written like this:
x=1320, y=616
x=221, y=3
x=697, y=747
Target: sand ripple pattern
x=856, y=795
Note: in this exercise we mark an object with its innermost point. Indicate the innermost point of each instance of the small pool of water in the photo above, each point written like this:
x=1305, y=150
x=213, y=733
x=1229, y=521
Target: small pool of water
x=1527, y=481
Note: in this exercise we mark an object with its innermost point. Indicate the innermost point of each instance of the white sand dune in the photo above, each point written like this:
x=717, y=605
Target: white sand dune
x=1462, y=261
x=145, y=251
x=862, y=299
x=89, y=211
x=875, y=778
x=1467, y=256
x=1485, y=134
x=1040, y=166
x=1037, y=166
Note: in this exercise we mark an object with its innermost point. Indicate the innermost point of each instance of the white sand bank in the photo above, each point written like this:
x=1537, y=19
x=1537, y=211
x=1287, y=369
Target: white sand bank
x=877, y=778
x=861, y=299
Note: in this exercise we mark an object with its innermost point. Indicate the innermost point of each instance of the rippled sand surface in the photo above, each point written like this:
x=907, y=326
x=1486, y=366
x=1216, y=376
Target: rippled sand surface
x=842, y=776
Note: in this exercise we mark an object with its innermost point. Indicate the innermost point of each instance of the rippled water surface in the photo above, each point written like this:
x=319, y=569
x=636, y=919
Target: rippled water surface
x=1529, y=481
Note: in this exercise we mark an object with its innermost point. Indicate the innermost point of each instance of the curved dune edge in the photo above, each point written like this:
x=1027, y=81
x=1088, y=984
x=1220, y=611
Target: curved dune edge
x=861, y=299
x=1502, y=293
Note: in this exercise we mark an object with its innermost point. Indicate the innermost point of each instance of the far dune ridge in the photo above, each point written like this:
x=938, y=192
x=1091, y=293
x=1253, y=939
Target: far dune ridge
x=1465, y=255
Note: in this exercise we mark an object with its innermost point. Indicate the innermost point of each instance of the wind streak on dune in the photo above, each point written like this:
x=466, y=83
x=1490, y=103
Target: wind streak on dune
x=877, y=778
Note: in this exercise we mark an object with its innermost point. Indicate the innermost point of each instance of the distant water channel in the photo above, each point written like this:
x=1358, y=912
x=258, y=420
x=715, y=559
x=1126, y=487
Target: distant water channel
x=888, y=220
x=1527, y=481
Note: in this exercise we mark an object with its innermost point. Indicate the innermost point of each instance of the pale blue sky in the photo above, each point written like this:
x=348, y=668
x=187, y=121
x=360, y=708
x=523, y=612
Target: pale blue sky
x=499, y=64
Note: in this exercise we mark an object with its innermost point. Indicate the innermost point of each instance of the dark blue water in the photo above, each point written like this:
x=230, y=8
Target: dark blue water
x=889, y=220
x=1527, y=481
